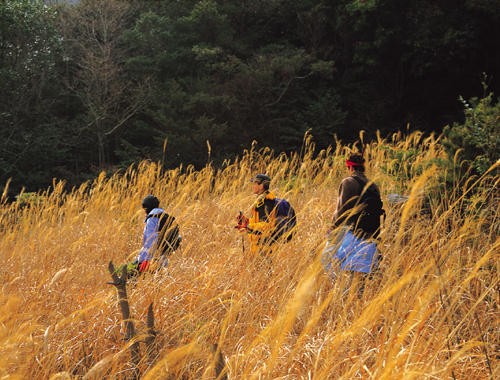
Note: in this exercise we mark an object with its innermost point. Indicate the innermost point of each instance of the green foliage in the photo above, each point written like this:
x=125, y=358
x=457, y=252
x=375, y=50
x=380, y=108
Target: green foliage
x=477, y=140
x=209, y=25
x=132, y=270
x=324, y=116
x=399, y=164
x=32, y=142
x=235, y=98
x=408, y=56
x=29, y=199
x=128, y=155
x=405, y=165
x=28, y=39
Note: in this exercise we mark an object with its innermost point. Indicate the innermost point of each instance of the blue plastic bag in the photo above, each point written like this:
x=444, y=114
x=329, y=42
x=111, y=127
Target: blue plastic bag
x=353, y=254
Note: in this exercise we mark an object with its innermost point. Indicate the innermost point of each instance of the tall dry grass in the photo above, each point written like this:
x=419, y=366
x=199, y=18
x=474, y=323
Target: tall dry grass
x=431, y=313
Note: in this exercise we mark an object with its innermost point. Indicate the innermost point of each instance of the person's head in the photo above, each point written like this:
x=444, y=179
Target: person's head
x=260, y=183
x=149, y=203
x=355, y=163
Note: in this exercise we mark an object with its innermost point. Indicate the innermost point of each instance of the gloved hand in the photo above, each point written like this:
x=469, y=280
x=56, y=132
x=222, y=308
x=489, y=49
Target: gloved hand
x=241, y=227
x=242, y=219
x=144, y=266
x=242, y=222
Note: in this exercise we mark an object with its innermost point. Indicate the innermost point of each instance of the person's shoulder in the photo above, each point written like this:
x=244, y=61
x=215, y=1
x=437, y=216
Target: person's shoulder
x=348, y=181
x=367, y=180
x=156, y=213
x=271, y=196
x=270, y=200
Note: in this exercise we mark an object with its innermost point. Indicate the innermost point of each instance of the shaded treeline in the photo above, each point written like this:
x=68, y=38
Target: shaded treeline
x=102, y=84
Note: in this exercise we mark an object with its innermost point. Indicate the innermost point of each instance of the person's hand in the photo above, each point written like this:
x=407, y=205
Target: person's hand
x=144, y=266
x=241, y=227
x=242, y=223
x=242, y=219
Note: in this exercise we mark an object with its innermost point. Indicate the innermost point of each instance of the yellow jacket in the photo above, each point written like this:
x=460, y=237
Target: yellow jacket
x=261, y=224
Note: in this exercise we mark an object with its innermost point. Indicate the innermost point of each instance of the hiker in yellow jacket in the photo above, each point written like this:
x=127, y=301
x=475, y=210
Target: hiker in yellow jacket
x=261, y=226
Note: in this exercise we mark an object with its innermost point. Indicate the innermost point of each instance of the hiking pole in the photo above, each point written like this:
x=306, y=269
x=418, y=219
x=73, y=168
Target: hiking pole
x=242, y=236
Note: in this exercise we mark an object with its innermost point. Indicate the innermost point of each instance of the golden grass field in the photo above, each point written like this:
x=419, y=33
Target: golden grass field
x=432, y=312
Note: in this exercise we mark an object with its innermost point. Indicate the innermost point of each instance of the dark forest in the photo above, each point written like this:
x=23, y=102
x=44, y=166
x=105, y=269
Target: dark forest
x=101, y=84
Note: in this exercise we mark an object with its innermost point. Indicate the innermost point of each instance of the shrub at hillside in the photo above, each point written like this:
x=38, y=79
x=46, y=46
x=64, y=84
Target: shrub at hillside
x=477, y=140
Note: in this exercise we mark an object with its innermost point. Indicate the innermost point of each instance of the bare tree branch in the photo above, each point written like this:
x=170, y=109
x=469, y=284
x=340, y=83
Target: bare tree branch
x=284, y=91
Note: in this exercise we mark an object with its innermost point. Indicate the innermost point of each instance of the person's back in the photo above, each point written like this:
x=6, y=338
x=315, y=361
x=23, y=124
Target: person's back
x=357, y=197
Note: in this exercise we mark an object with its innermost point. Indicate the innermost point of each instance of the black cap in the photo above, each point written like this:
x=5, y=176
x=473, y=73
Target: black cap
x=262, y=178
x=150, y=201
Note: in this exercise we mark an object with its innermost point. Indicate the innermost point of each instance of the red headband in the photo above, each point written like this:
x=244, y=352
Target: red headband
x=350, y=163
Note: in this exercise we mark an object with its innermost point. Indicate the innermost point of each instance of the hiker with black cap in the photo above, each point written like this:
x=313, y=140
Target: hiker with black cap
x=161, y=237
x=260, y=226
x=351, y=248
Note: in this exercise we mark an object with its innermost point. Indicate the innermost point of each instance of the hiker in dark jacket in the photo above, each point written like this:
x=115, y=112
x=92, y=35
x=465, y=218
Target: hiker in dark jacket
x=348, y=250
x=350, y=189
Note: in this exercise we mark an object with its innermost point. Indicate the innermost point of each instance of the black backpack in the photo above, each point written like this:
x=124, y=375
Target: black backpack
x=366, y=221
x=169, y=239
x=286, y=221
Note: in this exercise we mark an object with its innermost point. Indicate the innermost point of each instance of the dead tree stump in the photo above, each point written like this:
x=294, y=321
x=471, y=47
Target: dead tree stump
x=121, y=285
x=150, y=335
x=219, y=365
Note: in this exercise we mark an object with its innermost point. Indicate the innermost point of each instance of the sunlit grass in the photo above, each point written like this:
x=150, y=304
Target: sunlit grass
x=431, y=313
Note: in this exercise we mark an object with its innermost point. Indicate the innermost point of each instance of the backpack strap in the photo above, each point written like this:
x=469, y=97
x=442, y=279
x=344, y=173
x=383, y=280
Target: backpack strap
x=361, y=183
